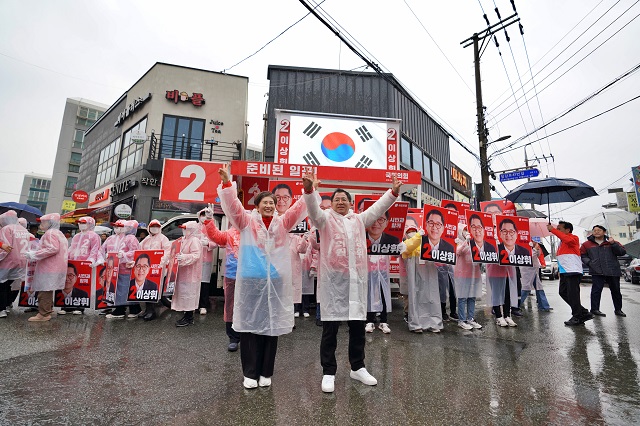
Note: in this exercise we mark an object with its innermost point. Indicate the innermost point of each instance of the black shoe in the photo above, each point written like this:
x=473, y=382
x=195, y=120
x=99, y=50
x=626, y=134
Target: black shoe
x=318, y=323
x=516, y=312
x=184, y=321
x=143, y=314
x=233, y=346
x=620, y=313
x=406, y=318
x=445, y=317
x=598, y=313
x=454, y=316
x=573, y=322
x=587, y=316
x=149, y=316
x=105, y=311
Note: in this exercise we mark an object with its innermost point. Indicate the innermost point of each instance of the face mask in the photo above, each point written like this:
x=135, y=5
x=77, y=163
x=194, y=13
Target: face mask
x=82, y=227
x=184, y=232
x=154, y=230
x=201, y=219
x=118, y=230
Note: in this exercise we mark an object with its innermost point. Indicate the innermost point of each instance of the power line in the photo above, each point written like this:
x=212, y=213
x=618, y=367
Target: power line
x=434, y=42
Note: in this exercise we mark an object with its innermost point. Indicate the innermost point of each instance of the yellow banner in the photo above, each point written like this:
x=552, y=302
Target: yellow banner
x=68, y=205
x=632, y=202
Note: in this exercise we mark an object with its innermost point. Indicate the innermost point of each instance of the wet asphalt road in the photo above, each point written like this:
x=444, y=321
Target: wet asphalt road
x=89, y=370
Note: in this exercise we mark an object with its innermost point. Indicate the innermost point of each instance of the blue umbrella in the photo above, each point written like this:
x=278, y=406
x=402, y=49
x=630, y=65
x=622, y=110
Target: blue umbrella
x=551, y=190
x=24, y=210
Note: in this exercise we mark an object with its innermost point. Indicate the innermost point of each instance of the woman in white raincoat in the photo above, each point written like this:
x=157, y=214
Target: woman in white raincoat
x=342, y=275
x=85, y=245
x=12, y=262
x=530, y=278
x=498, y=277
x=263, y=298
x=309, y=272
x=156, y=240
x=187, y=292
x=124, y=243
x=204, y=303
x=51, y=267
x=379, y=299
x=468, y=280
x=425, y=312
x=298, y=245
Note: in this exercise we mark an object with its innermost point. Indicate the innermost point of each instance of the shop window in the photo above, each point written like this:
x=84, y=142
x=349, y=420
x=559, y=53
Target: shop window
x=417, y=159
x=131, y=153
x=108, y=163
x=181, y=138
x=435, y=166
x=405, y=151
x=427, y=166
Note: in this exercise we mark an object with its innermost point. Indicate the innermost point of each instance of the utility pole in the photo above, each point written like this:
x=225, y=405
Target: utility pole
x=478, y=49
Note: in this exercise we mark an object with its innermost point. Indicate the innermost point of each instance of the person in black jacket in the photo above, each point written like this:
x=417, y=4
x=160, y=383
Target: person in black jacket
x=600, y=253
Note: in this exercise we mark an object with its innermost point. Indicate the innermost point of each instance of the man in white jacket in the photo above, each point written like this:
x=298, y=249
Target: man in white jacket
x=342, y=274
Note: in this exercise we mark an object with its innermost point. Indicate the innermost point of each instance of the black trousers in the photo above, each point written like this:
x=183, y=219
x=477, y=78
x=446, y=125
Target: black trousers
x=204, y=301
x=570, y=293
x=5, y=294
x=504, y=310
x=258, y=355
x=597, y=284
x=329, y=343
x=371, y=316
x=304, y=306
x=234, y=336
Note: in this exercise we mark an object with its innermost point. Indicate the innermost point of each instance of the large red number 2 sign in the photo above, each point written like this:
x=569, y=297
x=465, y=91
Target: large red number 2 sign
x=189, y=181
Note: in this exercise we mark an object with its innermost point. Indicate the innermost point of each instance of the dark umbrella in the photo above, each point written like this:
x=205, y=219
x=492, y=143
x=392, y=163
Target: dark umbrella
x=551, y=190
x=24, y=210
x=633, y=248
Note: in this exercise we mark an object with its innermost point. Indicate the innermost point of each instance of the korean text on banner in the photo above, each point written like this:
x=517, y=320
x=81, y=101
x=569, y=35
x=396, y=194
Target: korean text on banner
x=482, y=238
x=190, y=181
x=77, y=286
x=441, y=229
x=145, y=276
x=514, y=248
x=387, y=231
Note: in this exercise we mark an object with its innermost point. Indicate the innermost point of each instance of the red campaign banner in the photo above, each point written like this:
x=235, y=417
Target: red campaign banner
x=145, y=276
x=250, y=187
x=359, y=201
x=387, y=231
x=441, y=229
x=514, y=248
x=101, y=287
x=326, y=200
x=111, y=278
x=287, y=192
x=77, y=286
x=394, y=267
x=327, y=173
x=504, y=207
x=414, y=218
x=28, y=298
x=171, y=276
x=189, y=181
x=483, y=239
x=459, y=206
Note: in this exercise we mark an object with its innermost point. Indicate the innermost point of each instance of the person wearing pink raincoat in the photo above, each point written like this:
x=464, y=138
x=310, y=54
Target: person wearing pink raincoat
x=124, y=243
x=85, y=245
x=187, y=292
x=204, y=302
x=51, y=267
x=263, y=305
x=12, y=262
x=156, y=240
x=468, y=281
x=309, y=271
x=342, y=274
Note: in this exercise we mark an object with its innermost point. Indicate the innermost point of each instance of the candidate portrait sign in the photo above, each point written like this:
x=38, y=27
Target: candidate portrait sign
x=459, y=206
x=250, y=187
x=145, y=276
x=336, y=140
x=101, y=287
x=169, y=284
x=111, y=278
x=77, y=286
x=359, y=200
x=414, y=218
x=504, y=207
x=287, y=192
x=514, y=236
x=440, y=231
x=190, y=181
x=482, y=238
x=386, y=233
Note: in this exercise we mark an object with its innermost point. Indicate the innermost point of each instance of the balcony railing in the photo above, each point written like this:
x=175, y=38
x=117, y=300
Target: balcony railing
x=208, y=150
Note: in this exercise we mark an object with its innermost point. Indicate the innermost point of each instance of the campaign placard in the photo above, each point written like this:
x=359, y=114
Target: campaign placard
x=100, y=300
x=29, y=298
x=287, y=192
x=483, y=239
x=358, y=205
x=459, y=206
x=441, y=229
x=252, y=186
x=503, y=207
x=145, y=276
x=514, y=236
x=111, y=278
x=170, y=277
x=384, y=235
x=77, y=286
x=414, y=218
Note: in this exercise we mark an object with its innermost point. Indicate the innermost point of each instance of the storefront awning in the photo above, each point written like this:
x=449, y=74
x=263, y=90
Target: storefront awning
x=74, y=215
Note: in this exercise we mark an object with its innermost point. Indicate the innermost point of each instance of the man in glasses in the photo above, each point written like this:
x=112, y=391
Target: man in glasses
x=435, y=229
x=140, y=271
x=284, y=196
x=376, y=234
x=508, y=238
x=478, y=244
x=69, y=293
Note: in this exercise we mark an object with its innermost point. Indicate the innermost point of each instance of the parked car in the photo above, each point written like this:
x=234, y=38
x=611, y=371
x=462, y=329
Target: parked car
x=632, y=272
x=550, y=271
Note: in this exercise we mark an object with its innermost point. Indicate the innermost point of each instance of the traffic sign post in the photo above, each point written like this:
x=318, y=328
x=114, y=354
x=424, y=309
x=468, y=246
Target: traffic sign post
x=521, y=174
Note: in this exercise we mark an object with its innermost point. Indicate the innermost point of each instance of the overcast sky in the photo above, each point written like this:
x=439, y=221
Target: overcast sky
x=97, y=49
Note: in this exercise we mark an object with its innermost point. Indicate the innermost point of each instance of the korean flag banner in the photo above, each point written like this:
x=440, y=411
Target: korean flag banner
x=384, y=235
x=77, y=286
x=440, y=232
x=482, y=237
x=145, y=276
x=514, y=248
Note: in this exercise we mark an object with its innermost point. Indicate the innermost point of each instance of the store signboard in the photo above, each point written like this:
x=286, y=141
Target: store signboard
x=100, y=197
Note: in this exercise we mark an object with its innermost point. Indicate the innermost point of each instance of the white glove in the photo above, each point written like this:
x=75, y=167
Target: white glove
x=120, y=254
x=421, y=232
x=97, y=263
x=30, y=255
x=180, y=257
x=402, y=247
x=205, y=242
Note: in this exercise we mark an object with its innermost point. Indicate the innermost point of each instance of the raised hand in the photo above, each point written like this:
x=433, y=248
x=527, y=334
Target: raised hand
x=395, y=186
x=310, y=182
x=224, y=173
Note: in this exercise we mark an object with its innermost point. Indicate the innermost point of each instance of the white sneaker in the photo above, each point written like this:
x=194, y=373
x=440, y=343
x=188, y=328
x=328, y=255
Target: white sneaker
x=203, y=311
x=474, y=324
x=77, y=312
x=111, y=316
x=510, y=322
x=263, y=382
x=306, y=315
x=433, y=330
x=130, y=315
x=296, y=314
x=369, y=327
x=363, y=376
x=3, y=313
x=328, y=383
x=463, y=325
x=62, y=312
x=250, y=383
x=501, y=322
x=384, y=327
